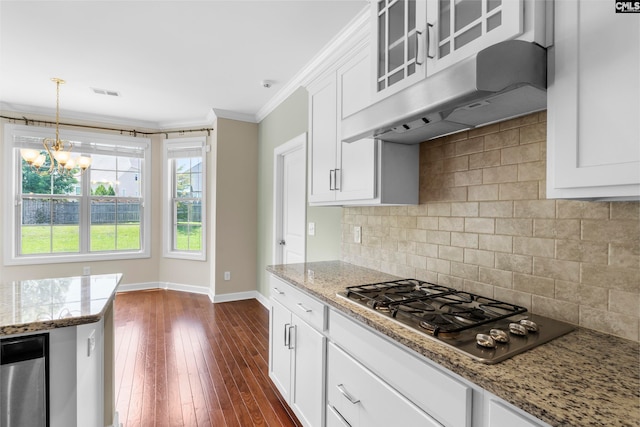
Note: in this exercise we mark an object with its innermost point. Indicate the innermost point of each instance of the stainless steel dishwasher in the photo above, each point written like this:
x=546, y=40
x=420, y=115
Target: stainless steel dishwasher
x=24, y=381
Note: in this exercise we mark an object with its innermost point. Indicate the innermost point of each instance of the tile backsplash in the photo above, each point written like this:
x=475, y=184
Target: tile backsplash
x=484, y=225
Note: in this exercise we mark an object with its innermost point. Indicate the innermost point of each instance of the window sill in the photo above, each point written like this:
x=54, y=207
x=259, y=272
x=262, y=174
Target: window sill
x=66, y=258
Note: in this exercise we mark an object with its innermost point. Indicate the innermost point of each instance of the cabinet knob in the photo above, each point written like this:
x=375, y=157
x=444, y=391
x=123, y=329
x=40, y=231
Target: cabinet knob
x=282, y=243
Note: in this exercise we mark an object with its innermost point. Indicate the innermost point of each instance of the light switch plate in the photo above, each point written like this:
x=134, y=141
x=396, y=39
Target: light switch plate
x=357, y=234
x=312, y=229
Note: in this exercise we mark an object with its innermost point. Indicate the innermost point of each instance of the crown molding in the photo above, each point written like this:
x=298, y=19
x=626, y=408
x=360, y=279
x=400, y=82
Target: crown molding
x=232, y=115
x=352, y=34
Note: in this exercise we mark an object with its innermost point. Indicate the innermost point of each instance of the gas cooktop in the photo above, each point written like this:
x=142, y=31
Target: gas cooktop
x=485, y=329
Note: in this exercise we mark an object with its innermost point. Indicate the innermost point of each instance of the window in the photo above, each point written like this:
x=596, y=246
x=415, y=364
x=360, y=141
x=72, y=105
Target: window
x=96, y=215
x=185, y=193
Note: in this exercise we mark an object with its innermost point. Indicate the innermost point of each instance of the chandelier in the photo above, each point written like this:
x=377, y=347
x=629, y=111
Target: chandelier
x=58, y=151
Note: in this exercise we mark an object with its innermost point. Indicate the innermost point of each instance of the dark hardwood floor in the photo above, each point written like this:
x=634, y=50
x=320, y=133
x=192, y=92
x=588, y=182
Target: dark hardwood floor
x=183, y=361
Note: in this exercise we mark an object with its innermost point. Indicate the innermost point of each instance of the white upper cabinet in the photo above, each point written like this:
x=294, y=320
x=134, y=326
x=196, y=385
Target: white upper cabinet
x=459, y=28
x=418, y=38
x=400, y=31
x=593, y=126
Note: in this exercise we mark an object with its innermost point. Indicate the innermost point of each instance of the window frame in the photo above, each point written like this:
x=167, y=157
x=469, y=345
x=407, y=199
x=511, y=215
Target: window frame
x=192, y=144
x=90, y=143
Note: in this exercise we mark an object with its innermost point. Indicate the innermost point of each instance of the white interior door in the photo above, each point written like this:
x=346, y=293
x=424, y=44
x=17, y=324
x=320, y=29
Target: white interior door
x=290, y=201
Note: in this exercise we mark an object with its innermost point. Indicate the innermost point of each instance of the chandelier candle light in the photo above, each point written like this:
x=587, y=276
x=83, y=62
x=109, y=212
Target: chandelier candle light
x=60, y=159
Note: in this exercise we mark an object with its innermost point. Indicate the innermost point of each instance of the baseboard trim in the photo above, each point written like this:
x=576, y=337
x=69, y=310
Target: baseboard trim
x=236, y=296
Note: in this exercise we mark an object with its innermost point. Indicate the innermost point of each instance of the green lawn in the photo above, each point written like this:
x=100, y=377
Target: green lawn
x=37, y=239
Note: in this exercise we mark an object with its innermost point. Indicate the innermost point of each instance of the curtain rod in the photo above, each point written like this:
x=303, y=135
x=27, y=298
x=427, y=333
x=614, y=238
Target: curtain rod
x=133, y=132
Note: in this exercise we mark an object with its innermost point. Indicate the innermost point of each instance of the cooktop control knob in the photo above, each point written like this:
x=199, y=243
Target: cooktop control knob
x=529, y=325
x=499, y=335
x=485, y=340
x=517, y=329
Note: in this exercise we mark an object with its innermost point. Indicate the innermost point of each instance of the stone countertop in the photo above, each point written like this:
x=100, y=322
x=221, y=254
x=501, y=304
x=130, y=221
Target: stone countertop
x=43, y=304
x=584, y=378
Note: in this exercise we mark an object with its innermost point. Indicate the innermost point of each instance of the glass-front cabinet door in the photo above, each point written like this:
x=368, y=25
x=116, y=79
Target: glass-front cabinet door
x=400, y=48
x=460, y=28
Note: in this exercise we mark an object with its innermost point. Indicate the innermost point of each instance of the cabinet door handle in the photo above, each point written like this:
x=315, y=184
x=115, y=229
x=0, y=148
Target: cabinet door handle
x=303, y=308
x=278, y=291
x=347, y=395
x=419, y=48
x=335, y=180
x=332, y=178
x=287, y=335
x=341, y=417
x=291, y=327
x=430, y=38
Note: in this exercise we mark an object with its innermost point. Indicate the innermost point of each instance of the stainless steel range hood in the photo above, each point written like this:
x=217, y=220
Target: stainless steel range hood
x=505, y=80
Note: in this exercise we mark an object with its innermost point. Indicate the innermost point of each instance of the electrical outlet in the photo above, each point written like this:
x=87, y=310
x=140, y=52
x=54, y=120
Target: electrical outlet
x=91, y=343
x=86, y=271
x=357, y=234
x=312, y=229
x=227, y=275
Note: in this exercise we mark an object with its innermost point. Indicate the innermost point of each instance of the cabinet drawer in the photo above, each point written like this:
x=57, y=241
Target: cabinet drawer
x=430, y=388
x=363, y=399
x=302, y=305
x=502, y=416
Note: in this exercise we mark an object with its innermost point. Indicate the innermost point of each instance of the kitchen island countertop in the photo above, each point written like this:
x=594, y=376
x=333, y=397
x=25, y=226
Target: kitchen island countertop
x=42, y=304
x=585, y=378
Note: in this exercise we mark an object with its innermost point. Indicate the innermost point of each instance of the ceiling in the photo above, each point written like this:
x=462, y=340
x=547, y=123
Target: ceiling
x=173, y=63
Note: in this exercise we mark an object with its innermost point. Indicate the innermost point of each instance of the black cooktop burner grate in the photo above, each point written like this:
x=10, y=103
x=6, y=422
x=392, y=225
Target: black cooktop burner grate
x=438, y=310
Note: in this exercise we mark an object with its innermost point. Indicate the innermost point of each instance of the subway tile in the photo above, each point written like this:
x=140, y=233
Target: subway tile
x=515, y=263
x=464, y=209
x=582, y=294
x=407, y=246
x=416, y=210
x=451, y=253
x=398, y=210
x=520, y=154
x=496, y=243
x=483, y=192
x=485, y=159
x=556, y=269
x=501, y=139
x=582, y=210
x=371, y=241
x=532, y=171
x=407, y=221
x=415, y=235
x=625, y=255
x=438, y=237
x=502, y=209
x=450, y=281
x=427, y=276
x=451, y=224
x=561, y=310
x=465, y=240
x=479, y=288
x=389, y=244
x=624, y=302
x=534, y=246
x=511, y=296
x=473, y=177
x=427, y=222
x=439, y=265
x=427, y=249
x=519, y=190
x=456, y=164
x=577, y=250
x=498, y=174
x=625, y=210
x=479, y=257
x=468, y=146
x=397, y=233
x=623, y=279
x=446, y=140
x=514, y=226
x=417, y=261
x=464, y=271
x=557, y=229
x=611, y=323
x=374, y=220
x=389, y=221
x=439, y=209
x=534, y=285
x=455, y=194
x=479, y=225
x=542, y=116
x=431, y=152
x=533, y=133
x=611, y=231
x=501, y=278
x=534, y=208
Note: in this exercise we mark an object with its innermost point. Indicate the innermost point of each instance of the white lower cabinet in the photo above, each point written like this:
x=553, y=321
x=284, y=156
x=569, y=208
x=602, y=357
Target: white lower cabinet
x=500, y=415
x=297, y=355
x=359, y=398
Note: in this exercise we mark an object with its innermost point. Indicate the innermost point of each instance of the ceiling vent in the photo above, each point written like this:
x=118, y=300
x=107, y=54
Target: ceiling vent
x=105, y=92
